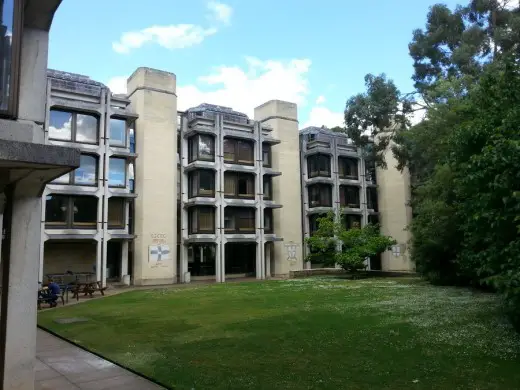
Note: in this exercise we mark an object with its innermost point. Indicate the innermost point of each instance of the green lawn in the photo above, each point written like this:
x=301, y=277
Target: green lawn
x=316, y=333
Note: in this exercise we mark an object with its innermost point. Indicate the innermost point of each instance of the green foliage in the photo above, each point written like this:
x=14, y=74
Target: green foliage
x=333, y=244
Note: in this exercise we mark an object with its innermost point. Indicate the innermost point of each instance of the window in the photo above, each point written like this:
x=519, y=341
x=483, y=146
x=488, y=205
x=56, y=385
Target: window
x=239, y=220
x=116, y=213
x=238, y=151
x=131, y=136
x=349, y=196
x=266, y=155
x=313, y=222
x=201, y=220
x=372, y=198
x=348, y=168
x=239, y=185
x=74, y=127
x=117, y=132
x=71, y=212
x=85, y=175
x=370, y=171
x=117, y=172
x=201, y=147
x=318, y=165
x=268, y=220
x=11, y=28
x=320, y=195
x=373, y=219
x=268, y=188
x=201, y=183
x=352, y=221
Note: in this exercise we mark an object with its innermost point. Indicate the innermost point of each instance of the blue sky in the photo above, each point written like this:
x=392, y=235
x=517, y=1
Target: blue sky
x=241, y=53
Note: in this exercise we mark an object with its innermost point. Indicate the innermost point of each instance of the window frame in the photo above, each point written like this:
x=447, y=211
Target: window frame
x=313, y=223
x=346, y=220
x=266, y=148
x=197, y=211
x=343, y=162
x=197, y=157
x=69, y=214
x=123, y=213
x=236, y=178
x=371, y=193
x=320, y=187
x=13, y=98
x=268, y=212
x=370, y=171
x=267, y=179
x=126, y=133
x=344, y=196
x=237, y=215
x=126, y=172
x=315, y=160
x=74, y=126
x=72, y=174
x=236, y=143
x=195, y=176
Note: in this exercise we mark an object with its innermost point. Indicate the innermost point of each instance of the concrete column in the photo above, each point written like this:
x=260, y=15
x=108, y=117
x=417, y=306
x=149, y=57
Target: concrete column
x=20, y=287
x=153, y=97
x=99, y=264
x=183, y=266
x=282, y=117
x=220, y=269
x=267, y=251
x=183, y=263
x=41, y=260
x=2, y=207
x=124, y=259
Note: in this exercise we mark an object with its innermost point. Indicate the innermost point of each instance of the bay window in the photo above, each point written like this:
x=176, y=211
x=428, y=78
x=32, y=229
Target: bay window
x=117, y=172
x=238, y=151
x=352, y=221
x=239, y=185
x=348, y=168
x=116, y=213
x=201, y=147
x=239, y=220
x=201, y=183
x=349, y=196
x=318, y=165
x=118, y=132
x=85, y=175
x=201, y=220
x=268, y=188
x=266, y=155
x=320, y=195
x=71, y=212
x=73, y=127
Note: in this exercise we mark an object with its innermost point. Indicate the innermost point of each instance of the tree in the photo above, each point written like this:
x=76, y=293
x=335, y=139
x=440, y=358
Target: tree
x=333, y=244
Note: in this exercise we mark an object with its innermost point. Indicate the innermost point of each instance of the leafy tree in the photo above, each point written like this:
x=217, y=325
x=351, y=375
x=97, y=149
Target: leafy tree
x=333, y=244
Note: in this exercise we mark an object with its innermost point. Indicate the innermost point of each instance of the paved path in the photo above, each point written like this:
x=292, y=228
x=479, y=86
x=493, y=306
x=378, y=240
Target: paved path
x=63, y=366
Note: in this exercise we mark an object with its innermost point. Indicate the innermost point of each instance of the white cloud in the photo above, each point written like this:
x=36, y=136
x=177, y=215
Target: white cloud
x=508, y=4
x=117, y=84
x=320, y=99
x=174, y=36
x=322, y=116
x=220, y=12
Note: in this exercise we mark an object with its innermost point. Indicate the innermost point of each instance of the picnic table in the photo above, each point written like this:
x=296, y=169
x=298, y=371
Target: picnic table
x=44, y=296
x=80, y=283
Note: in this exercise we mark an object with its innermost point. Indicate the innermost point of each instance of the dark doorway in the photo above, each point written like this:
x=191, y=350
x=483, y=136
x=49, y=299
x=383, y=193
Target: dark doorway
x=114, y=255
x=241, y=259
x=202, y=259
x=375, y=263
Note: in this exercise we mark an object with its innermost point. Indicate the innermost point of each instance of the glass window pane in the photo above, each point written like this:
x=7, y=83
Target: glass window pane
x=65, y=179
x=86, y=128
x=117, y=172
x=60, y=125
x=116, y=212
x=84, y=211
x=245, y=152
x=132, y=140
x=229, y=150
x=266, y=155
x=207, y=219
x=206, y=147
x=230, y=182
x=206, y=182
x=86, y=174
x=56, y=210
x=7, y=22
x=117, y=132
x=267, y=188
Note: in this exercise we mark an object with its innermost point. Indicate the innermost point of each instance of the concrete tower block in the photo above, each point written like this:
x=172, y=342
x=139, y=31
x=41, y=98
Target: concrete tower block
x=283, y=118
x=393, y=193
x=152, y=93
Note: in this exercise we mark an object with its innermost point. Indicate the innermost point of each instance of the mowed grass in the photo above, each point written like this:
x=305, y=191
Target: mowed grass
x=317, y=333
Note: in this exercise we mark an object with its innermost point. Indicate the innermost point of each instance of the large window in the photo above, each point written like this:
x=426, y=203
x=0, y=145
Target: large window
x=202, y=259
x=201, y=147
x=320, y=195
x=349, y=196
x=370, y=171
x=348, y=168
x=118, y=132
x=268, y=188
x=268, y=221
x=74, y=127
x=239, y=220
x=266, y=155
x=238, y=151
x=201, y=183
x=318, y=165
x=201, y=219
x=71, y=212
x=10, y=29
x=372, y=198
x=117, y=172
x=85, y=175
x=239, y=185
x=352, y=221
x=116, y=213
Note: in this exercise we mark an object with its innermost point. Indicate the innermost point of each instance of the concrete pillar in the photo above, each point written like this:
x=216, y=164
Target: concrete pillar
x=282, y=117
x=99, y=264
x=183, y=263
x=20, y=287
x=220, y=269
x=2, y=207
x=124, y=259
x=153, y=97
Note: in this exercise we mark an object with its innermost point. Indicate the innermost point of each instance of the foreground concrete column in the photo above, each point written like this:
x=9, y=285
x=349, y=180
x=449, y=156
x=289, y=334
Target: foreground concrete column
x=124, y=259
x=152, y=93
x=282, y=117
x=22, y=289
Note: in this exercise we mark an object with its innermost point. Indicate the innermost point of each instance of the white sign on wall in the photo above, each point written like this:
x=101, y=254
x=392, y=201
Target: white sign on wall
x=158, y=253
x=291, y=248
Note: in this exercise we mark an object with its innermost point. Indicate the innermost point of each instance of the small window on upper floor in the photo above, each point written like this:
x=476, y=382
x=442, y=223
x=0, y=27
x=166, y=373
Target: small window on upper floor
x=73, y=127
x=85, y=175
x=266, y=155
x=201, y=147
x=118, y=132
x=117, y=172
x=318, y=165
x=237, y=151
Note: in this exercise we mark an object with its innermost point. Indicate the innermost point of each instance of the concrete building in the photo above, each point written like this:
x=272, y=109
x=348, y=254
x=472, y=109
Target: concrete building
x=26, y=166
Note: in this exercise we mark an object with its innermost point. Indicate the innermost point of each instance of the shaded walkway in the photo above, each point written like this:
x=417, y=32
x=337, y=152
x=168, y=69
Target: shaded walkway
x=63, y=366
